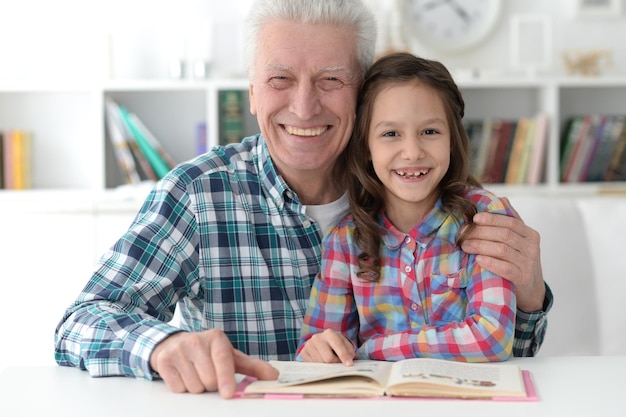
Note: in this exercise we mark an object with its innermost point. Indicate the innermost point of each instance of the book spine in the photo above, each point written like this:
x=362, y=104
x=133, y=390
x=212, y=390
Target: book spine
x=231, y=116
x=201, y=138
x=517, y=147
x=120, y=144
x=158, y=164
x=8, y=160
x=536, y=164
x=1, y=160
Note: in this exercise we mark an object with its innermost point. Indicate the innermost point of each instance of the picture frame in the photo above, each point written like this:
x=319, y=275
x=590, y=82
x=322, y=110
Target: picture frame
x=597, y=8
x=531, y=42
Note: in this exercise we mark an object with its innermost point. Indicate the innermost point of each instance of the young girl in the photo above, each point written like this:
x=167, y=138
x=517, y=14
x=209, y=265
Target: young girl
x=394, y=282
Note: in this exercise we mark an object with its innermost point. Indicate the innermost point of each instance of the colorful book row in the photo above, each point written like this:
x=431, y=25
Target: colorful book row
x=508, y=151
x=138, y=152
x=15, y=160
x=593, y=149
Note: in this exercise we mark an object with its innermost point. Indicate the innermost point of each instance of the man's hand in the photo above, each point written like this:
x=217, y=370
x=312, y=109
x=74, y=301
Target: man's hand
x=205, y=361
x=328, y=347
x=509, y=248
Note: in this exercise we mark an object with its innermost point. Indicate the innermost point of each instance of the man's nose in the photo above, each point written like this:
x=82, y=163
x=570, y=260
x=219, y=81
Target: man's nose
x=305, y=101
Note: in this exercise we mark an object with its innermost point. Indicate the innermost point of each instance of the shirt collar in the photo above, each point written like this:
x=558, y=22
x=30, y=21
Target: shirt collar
x=436, y=223
x=271, y=179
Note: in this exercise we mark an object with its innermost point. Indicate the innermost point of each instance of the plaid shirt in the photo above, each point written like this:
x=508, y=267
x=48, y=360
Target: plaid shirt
x=432, y=299
x=225, y=238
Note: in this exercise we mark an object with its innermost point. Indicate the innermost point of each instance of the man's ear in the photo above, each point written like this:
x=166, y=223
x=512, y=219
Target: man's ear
x=251, y=97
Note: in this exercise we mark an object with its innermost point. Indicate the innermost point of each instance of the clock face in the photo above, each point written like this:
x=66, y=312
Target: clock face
x=452, y=25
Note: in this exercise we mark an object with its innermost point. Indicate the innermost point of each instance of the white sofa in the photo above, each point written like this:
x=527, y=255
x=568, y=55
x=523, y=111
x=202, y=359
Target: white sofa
x=584, y=262
x=47, y=253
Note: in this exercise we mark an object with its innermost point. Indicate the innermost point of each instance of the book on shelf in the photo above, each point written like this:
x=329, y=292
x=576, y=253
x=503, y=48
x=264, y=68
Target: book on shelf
x=143, y=132
x=589, y=146
x=616, y=166
x=576, y=147
x=518, y=147
x=201, y=138
x=502, y=134
x=16, y=159
x=121, y=143
x=231, y=116
x=537, y=154
x=595, y=137
x=596, y=159
x=1, y=160
x=483, y=148
x=416, y=377
x=138, y=152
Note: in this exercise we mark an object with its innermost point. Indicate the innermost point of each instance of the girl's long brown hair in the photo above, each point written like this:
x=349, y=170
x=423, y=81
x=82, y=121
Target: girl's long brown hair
x=365, y=190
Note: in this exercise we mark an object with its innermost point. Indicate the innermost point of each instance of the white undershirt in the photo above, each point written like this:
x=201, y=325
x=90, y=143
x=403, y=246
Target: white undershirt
x=327, y=215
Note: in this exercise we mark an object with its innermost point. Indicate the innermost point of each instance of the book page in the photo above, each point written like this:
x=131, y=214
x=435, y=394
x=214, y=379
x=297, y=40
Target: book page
x=452, y=378
x=292, y=373
x=364, y=378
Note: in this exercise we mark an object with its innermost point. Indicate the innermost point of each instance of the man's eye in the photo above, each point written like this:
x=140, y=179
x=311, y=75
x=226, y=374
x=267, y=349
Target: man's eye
x=279, y=82
x=330, y=83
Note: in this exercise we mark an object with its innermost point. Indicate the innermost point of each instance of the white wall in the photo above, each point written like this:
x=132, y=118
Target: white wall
x=76, y=39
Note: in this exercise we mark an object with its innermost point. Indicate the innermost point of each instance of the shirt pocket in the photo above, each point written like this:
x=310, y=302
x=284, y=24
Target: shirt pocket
x=449, y=296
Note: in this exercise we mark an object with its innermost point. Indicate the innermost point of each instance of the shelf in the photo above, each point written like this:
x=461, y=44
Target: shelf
x=71, y=150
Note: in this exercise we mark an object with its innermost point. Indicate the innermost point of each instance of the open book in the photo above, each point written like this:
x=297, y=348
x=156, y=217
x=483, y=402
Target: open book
x=420, y=377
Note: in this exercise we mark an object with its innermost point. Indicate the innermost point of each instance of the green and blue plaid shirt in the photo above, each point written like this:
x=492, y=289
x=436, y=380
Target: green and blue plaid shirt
x=223, y=237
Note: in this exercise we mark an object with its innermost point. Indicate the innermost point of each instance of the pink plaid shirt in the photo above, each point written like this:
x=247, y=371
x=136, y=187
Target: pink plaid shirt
x=432, y=299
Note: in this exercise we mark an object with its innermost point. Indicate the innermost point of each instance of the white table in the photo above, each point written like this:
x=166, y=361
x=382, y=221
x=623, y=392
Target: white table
x=567, y=386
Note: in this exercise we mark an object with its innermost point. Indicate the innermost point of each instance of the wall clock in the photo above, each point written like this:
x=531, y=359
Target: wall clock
x=452, y=25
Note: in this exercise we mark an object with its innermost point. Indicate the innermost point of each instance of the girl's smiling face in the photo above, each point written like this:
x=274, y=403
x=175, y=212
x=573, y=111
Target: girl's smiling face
x=409, y=142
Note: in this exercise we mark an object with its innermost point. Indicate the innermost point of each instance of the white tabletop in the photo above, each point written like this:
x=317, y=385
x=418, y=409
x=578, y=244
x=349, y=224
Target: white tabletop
x=567, y=386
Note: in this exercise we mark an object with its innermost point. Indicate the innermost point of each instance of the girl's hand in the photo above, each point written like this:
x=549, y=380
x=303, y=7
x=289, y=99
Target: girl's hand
x=328, y=347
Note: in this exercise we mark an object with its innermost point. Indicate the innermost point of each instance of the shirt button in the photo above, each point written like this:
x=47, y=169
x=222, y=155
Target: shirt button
x=414, y=306
x=524, y=326
x=407, y=269
x=289, y=194
x=306, y=223
x=407, y=239
x=140, y=373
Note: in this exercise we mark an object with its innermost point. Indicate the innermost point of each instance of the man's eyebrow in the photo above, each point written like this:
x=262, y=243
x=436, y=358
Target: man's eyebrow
x=349, y=73
x=279, y=67
x=323, y=70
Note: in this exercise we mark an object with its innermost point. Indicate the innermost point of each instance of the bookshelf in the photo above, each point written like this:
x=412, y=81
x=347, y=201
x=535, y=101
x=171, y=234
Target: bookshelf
x=71, y=150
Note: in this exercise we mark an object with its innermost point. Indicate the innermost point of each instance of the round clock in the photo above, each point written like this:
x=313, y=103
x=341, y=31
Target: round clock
x=452, y=25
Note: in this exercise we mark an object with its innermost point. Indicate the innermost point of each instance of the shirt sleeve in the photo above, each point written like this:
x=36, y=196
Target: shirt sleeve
x=530, y=328
x=331, y=304
x=121, y=314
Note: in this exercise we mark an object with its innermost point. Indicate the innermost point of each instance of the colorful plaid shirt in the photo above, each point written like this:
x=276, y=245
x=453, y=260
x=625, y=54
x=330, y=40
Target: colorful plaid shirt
x=224, y=240
x=431, y=300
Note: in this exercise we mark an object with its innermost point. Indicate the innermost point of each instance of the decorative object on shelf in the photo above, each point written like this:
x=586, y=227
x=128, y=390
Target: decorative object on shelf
x=597, y=8
x=531, y=42
x=452, y=25
x=587, y=63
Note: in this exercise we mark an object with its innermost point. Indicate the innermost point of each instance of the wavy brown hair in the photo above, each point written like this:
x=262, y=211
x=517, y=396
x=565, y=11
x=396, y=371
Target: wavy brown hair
x=366, y=192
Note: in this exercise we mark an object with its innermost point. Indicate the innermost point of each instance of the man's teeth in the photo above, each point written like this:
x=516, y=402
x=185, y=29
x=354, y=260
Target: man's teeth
x=306, y=132
x=412, y=174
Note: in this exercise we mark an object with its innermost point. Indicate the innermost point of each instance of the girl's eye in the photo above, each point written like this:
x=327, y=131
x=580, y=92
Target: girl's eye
x=430, y=132
x=390, y=134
